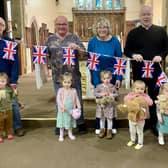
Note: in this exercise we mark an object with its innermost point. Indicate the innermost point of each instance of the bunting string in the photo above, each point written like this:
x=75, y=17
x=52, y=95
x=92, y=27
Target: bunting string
x=121, y=64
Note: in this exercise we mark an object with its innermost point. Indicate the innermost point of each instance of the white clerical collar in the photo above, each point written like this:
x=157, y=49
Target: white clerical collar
x=147, y=28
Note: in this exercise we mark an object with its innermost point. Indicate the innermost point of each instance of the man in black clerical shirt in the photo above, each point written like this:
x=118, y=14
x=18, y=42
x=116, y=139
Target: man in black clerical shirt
x=147, y=42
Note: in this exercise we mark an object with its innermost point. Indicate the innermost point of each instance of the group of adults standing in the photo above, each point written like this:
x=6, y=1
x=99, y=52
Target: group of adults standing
x=146, y=42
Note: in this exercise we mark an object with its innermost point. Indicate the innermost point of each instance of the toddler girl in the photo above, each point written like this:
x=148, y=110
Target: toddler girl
x=138, y=89
x=107, y=93
x=6, y=95
x=162, y=113
x=67, y=99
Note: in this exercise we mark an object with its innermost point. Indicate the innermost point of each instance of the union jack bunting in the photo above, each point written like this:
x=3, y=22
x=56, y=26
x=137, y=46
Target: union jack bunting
x=119, y=66
x=147, y=69
x=68, y=56
x=93, y=61
x=162, y=79
x=39, y=54
x=9, y=50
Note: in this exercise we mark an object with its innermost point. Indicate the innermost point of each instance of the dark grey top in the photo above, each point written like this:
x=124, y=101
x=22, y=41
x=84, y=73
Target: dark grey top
x=54, y=46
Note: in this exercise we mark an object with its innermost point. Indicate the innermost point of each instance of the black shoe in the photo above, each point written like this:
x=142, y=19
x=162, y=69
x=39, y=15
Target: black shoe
x=57, y=131
x=82, y=129
x=19, y=132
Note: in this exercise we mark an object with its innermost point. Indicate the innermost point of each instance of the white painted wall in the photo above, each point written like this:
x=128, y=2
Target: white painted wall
x=160, y=12
x=132, y=9
x=45, y=11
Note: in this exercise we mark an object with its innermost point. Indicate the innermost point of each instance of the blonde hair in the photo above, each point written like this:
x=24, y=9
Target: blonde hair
x=163, y=87
x=3, y=75
x=103, y=21
x=102, y=73
x=66, y=75
x=138, y=82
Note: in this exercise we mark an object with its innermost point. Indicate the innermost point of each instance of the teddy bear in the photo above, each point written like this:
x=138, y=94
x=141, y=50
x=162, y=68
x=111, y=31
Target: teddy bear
x=2, y=94
x=135, y=108
x=103, y=101
x=162, y=103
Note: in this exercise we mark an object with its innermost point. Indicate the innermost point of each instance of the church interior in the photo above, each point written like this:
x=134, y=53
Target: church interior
x=30, y=22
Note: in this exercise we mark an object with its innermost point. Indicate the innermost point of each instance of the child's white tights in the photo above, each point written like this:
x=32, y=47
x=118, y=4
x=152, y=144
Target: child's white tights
x=61, y=137
x=70, y=135
x=109, y=123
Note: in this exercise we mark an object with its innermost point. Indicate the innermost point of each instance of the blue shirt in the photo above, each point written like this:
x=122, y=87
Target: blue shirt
x=108, y=50
x=11, y=68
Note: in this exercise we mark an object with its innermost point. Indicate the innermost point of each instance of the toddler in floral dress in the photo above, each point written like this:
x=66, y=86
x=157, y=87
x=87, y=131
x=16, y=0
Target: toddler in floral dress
x=107, y=110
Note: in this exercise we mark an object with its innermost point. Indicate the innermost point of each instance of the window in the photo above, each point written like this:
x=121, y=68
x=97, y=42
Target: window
x=108, y=4
x=89, y=4
x=117, y=4
x=80, y=4
x=99, y=4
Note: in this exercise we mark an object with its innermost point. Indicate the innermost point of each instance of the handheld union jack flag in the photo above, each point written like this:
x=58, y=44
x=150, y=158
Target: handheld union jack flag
x=9, y=50
x=119, y=66
x=39, y=54
x=93, y=61
x=162, y=79
x=68, y=56
x=147, y=69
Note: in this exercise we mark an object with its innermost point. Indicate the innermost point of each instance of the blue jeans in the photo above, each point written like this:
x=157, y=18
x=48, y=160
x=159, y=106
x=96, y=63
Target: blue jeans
x=16, y=115
x=77, y=85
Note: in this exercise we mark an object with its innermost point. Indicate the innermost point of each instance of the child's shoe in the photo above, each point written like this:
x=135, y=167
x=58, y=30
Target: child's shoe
x=102, y=133
x=161, y=140
x=10, y=137
x=114, y=131
x=61, y=138
x=130, y=143
x=1, y=140
x=71, y=137
x=109, y=134
x=97, y=131
x=138, y=146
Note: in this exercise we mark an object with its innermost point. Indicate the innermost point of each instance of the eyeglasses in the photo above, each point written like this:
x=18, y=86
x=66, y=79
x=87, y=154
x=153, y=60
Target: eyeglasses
x=102, y=28
x=63, y=24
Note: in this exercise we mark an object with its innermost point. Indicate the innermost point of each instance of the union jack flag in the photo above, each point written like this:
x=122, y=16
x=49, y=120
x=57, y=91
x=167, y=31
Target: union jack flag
x=9, y=51
x=119, y=66
x=39, y=54
x=68, y=56
x=93, y=61
x=147, y=69
x=162, y=79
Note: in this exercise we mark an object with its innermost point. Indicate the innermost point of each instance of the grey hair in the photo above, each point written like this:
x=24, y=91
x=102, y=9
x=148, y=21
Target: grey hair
x=103, y=21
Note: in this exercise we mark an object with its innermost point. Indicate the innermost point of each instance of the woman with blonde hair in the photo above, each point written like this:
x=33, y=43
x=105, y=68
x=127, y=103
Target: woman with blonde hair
x=108, y=46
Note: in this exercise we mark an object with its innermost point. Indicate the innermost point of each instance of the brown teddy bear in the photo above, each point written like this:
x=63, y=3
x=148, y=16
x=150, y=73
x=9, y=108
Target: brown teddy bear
x=103, y=101
x=162, y=103
x=135, y=108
